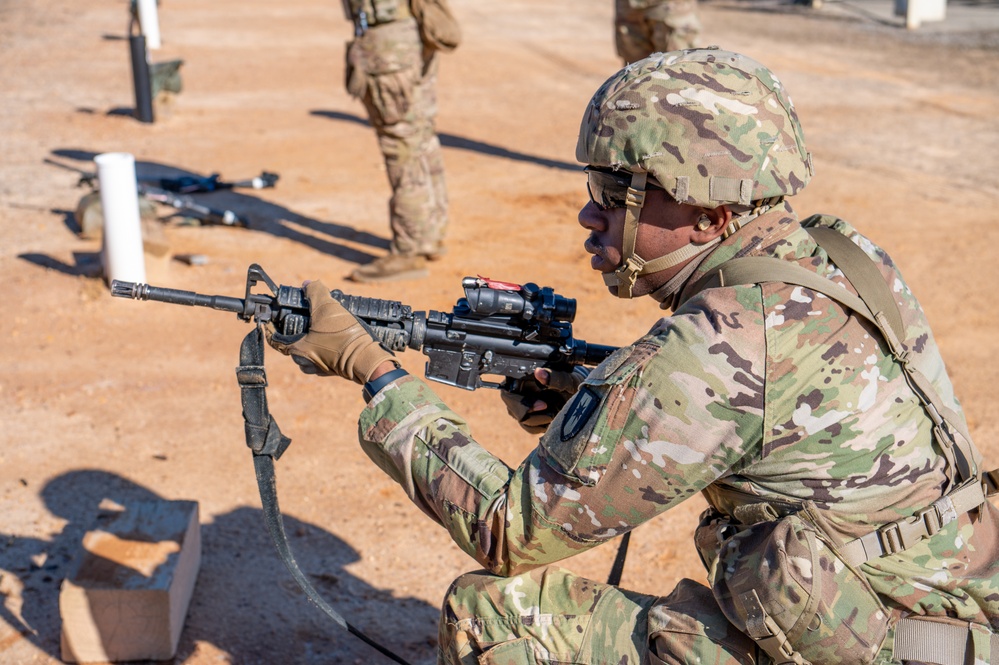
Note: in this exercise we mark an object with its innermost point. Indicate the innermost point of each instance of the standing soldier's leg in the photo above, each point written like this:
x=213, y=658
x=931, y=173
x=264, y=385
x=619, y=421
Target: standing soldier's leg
x=401, y=104
x=632, y=36
x=674, y=25
x=426, y=223
x=550, y=615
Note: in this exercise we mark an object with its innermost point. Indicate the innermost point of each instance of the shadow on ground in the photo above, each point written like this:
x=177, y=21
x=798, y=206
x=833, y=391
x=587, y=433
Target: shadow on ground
x=462, y=143
x=245, y=602
x=332, y=238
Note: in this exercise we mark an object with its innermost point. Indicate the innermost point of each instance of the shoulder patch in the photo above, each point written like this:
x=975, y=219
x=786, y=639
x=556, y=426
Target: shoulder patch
x=578, y=412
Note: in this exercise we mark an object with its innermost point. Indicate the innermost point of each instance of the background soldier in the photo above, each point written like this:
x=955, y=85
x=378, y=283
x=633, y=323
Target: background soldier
x=392, y=69
x=804, y=395
x=644, y=27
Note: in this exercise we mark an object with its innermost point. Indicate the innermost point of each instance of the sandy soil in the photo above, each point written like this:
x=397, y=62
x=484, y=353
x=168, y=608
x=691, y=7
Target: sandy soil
x=107, y=400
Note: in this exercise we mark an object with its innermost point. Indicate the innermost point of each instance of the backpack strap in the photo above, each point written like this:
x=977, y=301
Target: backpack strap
x=970, y=488
x=862, y=272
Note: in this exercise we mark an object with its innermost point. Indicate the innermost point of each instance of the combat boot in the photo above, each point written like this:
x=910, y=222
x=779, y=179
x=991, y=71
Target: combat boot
x=435, y=253
x=391, y=268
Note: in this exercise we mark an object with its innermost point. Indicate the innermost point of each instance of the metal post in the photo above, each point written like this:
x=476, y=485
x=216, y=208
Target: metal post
x=140, y=78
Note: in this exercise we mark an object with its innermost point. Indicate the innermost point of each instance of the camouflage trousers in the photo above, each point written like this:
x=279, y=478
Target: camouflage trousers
x=549, y=615
x=400, y=96
x=643, y=27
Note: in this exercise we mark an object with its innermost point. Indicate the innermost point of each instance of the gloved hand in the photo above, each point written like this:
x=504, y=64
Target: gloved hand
x=539, y=399
x=336, y=343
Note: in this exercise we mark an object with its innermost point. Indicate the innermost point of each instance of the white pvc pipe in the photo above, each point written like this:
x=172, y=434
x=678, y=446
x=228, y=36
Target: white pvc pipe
x=122, y=251
x=149, y=23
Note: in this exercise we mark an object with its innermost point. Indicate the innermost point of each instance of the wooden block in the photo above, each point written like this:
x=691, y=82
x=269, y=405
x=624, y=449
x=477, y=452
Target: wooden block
x=130, y=594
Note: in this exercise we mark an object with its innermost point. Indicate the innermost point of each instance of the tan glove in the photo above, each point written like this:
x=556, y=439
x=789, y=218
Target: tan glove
x=539, y=399
x=336, y=344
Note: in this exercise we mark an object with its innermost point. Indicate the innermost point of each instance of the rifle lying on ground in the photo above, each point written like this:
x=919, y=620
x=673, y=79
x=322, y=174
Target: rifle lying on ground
x=497, y=329
x=189, y=208
x=172, y=192
x=175, y=192
x=190, y=184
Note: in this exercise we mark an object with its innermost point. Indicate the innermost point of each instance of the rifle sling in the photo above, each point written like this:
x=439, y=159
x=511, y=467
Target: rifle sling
x=265, y=440
x=617, y=568
x=871, y=286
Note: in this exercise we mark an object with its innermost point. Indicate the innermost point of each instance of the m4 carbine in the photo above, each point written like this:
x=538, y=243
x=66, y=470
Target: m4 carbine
x=497, y=330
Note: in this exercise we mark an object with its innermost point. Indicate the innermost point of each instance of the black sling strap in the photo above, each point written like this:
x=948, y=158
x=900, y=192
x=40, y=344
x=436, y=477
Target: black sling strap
x=264, y=438
x=617, y=568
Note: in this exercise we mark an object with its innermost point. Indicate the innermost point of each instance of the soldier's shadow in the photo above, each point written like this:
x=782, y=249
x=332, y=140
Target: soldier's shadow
x=245, y=602
x=262, y=216
x=463, y=143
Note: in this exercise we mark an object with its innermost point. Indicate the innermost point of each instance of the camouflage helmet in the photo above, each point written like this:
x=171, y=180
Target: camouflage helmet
x=712, y=126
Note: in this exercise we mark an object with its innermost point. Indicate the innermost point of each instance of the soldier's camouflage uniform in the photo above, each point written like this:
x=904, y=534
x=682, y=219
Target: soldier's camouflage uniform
x=395, y=76
x=644, y=27
x=766, y=394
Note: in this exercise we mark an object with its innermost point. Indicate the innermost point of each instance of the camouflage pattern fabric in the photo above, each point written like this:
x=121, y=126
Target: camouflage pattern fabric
x=711, y=126
x=788, y=569
x=396, y=79
x=554, y=616
x=644, y=27
x=769, y=392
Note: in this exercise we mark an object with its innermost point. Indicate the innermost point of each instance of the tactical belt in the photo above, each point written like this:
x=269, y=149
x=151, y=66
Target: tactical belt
x=904, y=533
x=926, y=640
x=922, y=640
x=264, y=438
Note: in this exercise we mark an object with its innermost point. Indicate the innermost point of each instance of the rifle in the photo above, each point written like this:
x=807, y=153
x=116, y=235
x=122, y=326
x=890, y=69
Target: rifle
x=188, y=207
x=172, y=192
x=497, y=330
x=197, y=184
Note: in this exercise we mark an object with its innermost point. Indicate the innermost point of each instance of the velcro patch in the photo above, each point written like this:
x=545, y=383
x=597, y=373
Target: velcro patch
x=578, y=412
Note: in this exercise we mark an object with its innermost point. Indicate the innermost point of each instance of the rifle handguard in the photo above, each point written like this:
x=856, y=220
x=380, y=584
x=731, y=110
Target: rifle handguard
x=336, y=343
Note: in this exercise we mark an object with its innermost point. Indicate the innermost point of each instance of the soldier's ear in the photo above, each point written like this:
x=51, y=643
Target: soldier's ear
x=710, y=224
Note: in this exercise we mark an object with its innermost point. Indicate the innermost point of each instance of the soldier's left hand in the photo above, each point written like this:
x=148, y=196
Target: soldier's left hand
x=336, y=343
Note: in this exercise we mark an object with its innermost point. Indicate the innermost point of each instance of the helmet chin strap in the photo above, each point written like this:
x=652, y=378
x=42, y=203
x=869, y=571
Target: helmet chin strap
x=666, y=294
x=633, y=266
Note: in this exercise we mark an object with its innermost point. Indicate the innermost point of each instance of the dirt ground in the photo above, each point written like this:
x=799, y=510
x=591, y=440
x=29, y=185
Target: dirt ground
x=105, y=400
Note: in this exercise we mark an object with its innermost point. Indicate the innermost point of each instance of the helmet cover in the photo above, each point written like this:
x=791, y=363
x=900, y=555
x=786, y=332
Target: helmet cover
x=713, y=127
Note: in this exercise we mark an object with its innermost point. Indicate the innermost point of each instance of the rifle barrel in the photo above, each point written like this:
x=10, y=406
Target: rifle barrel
x=136, y=291
x=597, y=353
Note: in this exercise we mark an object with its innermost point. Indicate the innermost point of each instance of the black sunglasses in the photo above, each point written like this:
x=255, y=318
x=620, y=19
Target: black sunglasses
x=609, y=189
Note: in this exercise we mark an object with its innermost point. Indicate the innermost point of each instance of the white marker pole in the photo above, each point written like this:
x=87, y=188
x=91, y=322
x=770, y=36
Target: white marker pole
x=122, y=251
x=149, y=23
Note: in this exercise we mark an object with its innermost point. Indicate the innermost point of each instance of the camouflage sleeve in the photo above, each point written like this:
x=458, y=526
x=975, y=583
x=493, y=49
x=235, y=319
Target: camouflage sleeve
x=653, y=425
